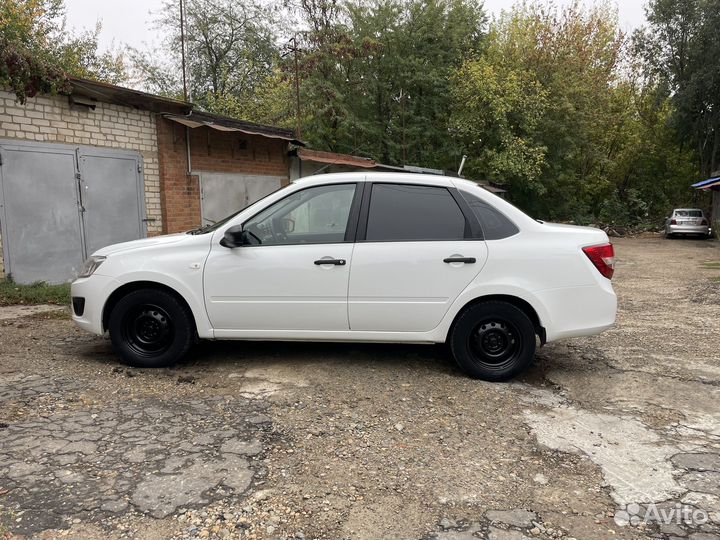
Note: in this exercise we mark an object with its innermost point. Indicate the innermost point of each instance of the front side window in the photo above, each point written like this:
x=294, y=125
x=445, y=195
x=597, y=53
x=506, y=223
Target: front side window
x=400, y=212
x=494, y=224
x=317, y=215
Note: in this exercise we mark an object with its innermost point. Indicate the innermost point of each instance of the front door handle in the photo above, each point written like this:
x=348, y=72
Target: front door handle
x=466, y=260
x=336, y=262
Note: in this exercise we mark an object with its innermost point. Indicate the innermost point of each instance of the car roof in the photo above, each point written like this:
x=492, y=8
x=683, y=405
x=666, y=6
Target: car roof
x=694, y=209
x=401, y=178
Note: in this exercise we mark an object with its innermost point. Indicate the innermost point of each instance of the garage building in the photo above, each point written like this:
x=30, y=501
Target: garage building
x=107, y=164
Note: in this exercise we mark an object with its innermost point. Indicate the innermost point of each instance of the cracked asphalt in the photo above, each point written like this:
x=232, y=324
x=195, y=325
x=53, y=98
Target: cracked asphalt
x=613, y=436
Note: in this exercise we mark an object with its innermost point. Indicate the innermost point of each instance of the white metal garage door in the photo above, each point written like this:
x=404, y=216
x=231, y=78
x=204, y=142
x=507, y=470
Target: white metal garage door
x=60, y=203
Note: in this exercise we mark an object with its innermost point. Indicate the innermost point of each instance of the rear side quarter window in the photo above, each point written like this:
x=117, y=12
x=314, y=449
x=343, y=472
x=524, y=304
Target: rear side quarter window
x=495, y=224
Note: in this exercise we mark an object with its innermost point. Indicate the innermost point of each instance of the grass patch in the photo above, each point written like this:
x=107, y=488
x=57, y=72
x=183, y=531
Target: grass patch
x=715, y=279
x=12, y=294
x=6, y=518
x=711, y=265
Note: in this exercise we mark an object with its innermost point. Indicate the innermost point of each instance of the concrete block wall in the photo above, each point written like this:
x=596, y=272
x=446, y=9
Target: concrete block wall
x=52, y=119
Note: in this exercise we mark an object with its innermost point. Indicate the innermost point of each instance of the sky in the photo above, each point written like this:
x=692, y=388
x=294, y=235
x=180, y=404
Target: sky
x=130, y=21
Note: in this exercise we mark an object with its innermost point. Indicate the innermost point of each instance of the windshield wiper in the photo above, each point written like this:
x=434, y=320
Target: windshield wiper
x=201, y=230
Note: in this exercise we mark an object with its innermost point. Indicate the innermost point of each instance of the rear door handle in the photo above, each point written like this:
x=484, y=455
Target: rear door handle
x=466, y=260
x=336, y=262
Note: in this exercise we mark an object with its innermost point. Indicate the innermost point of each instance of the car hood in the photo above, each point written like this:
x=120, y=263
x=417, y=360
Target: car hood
x=142, y=243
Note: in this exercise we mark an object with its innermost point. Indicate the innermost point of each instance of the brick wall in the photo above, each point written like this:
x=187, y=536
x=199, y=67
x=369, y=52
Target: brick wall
x=53, y=120
x=210, y=151
x=179, y=192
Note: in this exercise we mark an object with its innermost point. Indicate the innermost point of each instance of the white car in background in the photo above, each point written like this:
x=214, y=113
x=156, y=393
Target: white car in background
x=357, y=257
x=687, y=221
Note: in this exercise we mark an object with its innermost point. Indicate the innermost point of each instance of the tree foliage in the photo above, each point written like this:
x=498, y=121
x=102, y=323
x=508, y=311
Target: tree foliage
x=231, y=52
x=37, y=52
x=577, y=119
x=376, y=79
x=557, y=110
x=682, y=48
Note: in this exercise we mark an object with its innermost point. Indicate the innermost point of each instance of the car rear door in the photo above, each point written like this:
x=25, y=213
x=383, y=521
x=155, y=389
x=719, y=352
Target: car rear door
x=418, y=247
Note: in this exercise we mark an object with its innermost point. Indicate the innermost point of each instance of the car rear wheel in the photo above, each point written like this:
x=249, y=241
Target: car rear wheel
x=151, y=328
x=494, y=341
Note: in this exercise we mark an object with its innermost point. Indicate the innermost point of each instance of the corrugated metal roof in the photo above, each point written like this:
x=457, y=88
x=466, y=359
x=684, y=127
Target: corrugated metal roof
x=173, y=109
x=223, y=123
x=119, y=95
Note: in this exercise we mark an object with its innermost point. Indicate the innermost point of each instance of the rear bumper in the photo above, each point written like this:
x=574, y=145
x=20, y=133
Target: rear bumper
x=95, y=291
x=578, y=311
x=687, y=229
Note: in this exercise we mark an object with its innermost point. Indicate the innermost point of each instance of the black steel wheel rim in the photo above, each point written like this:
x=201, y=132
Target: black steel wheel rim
x=148, y=330
x=495, y=343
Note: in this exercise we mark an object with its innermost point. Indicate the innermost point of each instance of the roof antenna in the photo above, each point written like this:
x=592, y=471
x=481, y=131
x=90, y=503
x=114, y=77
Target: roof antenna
x=462, y=164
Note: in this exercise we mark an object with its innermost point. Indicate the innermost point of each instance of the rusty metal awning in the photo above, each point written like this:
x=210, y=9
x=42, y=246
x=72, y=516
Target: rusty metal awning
x=491, y=188
x=222, y=123
x=332, y=158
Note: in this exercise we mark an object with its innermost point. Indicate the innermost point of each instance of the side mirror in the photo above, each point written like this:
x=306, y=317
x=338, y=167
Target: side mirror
x=234, y=237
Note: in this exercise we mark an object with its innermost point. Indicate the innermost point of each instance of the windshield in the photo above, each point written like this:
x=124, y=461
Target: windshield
x=215, y=226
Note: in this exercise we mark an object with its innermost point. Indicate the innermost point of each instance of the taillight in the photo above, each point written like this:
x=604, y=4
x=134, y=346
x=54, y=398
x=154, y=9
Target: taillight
x=673, y=222
x=603, y=257
x=703, y=222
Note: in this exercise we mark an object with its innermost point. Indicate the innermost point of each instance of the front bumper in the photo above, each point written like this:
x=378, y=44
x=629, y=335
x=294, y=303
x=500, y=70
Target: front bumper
x=95, y=291
x=688, y=229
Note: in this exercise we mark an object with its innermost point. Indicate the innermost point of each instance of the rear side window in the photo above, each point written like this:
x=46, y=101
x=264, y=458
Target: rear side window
x=494, y=224
x=402, y=212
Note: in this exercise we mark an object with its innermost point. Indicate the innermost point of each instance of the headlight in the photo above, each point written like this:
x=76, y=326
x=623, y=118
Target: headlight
x=90, y=266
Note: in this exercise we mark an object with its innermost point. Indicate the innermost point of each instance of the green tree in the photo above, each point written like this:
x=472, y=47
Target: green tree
x=559, y=109
x=497, y=113
x=231, y=52
x=682, y=48
x=37, y=52
x=375, y=77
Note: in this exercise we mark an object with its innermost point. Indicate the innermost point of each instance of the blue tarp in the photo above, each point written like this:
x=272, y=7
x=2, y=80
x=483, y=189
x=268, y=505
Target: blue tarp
x=711, y=182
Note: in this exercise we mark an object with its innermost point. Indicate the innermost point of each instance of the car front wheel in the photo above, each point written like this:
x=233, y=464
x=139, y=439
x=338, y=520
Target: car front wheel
x=151, y=328
x=494, y=341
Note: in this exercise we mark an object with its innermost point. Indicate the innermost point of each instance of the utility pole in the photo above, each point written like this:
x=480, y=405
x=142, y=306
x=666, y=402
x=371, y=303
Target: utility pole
x=298, y=130
x=186, y=97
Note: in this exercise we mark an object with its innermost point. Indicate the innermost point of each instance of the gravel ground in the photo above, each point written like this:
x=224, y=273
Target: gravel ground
x=612, y=436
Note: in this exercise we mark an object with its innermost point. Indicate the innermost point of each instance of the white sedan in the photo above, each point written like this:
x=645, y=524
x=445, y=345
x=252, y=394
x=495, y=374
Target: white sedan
x=357, y=257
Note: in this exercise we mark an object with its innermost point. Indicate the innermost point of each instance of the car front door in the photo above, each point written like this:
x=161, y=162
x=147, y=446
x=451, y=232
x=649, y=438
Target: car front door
x=415, y=253
x=295, y=274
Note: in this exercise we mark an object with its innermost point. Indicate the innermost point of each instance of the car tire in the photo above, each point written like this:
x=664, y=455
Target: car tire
x=493, y=341
x=151, y=328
